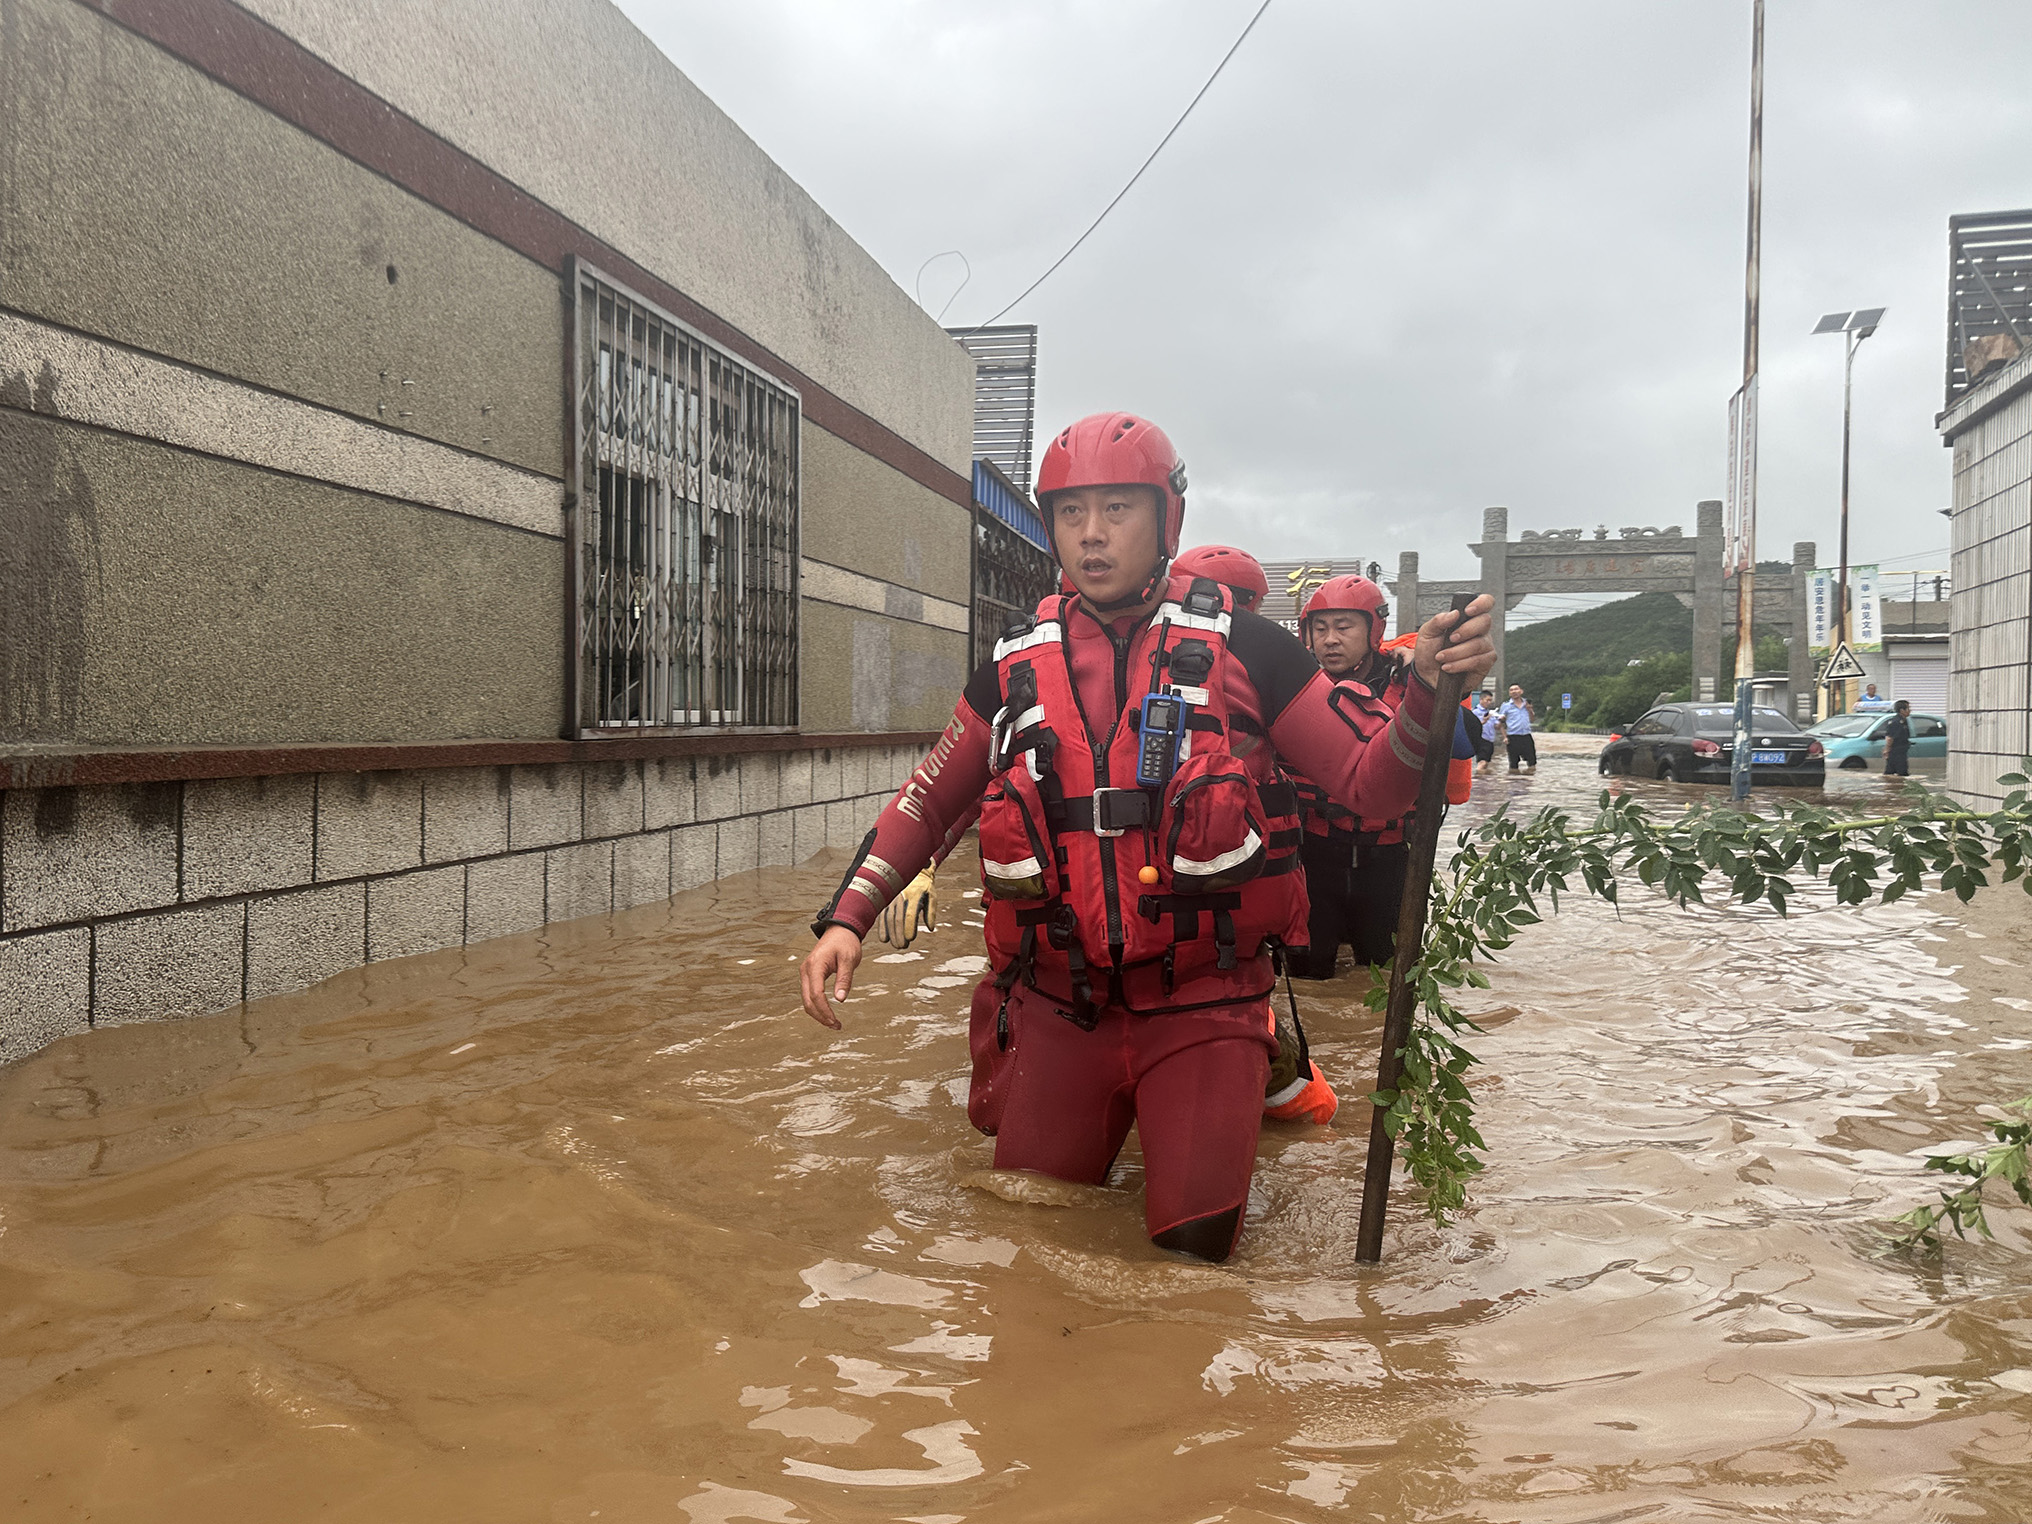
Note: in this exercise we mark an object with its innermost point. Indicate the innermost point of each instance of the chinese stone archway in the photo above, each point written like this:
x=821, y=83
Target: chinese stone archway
x=1634, y=560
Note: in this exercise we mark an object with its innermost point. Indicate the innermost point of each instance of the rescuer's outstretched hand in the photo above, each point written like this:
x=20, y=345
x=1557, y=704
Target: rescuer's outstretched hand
x=829, y=969
x=1471, y=652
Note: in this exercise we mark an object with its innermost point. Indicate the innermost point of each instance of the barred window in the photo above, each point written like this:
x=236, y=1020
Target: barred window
x=684, y=532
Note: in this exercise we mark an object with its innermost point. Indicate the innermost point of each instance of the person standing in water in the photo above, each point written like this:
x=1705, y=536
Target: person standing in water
x=1137, y=870
x=1517, y=717
x=1898, y=741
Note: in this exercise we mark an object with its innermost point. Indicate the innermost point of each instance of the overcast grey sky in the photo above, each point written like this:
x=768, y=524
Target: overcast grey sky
x=1409, y=260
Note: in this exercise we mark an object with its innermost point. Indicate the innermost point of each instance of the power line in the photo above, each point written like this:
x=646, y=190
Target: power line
x=1918, y=556
x=1068, y=254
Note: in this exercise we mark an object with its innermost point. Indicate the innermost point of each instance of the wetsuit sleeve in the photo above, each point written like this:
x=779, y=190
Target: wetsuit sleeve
x=1338, y=734
x=938, y=801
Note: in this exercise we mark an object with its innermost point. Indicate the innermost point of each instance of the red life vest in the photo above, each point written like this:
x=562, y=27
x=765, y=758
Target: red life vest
x=1067, y=833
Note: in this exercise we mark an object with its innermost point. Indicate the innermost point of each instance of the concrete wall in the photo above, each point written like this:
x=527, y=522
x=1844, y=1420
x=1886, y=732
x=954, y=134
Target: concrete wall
x=567, y=99
x=174, y=598
x=1990, y=636
x=887, y=583
x=154, y=901
x=152, y=205
x=296, y=466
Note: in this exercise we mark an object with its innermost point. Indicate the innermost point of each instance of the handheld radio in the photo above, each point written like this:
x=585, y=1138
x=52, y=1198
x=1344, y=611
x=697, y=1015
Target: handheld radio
x=1164, y=716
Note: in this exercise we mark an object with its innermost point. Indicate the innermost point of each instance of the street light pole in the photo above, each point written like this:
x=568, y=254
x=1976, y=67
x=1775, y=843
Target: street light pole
x=1854, y=327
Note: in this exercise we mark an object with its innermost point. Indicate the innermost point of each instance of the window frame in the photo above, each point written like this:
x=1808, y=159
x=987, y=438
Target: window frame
x=685, y=600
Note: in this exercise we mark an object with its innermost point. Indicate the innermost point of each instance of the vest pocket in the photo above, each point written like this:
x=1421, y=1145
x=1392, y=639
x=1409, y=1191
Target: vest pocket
x=1016, y=856
x=1216, y=838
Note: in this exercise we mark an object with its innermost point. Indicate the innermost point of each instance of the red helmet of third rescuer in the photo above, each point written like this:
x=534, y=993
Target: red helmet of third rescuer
x=1356, y=593
x=1114, y=450
x=1232, y=568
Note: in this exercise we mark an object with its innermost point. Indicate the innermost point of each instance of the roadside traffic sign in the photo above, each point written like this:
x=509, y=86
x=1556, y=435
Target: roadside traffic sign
x=1566, y=701
x=1841, y=666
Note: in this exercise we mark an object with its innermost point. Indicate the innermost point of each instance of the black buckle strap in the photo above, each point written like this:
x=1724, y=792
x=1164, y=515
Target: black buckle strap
x=1279, y=797
x=1108, y=809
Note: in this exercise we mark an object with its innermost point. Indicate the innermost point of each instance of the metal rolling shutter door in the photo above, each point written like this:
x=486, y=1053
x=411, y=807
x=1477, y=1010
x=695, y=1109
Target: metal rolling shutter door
x=1921, y=680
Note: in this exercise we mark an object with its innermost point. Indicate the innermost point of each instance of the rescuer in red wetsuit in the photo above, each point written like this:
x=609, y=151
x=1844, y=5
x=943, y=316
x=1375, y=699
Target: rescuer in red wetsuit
x=1128, y=925
x=1355, y=860
x=1296, y=1091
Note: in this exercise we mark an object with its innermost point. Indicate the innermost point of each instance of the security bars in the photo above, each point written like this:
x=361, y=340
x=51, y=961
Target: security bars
x=684, y=527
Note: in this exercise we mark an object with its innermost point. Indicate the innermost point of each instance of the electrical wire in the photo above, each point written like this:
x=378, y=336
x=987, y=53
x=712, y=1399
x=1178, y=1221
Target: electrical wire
x=1068, y=254
x=1917, y=556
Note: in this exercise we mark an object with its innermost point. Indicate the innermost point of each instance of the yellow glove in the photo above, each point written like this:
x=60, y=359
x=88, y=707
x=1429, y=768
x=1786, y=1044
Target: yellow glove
x=916, y=907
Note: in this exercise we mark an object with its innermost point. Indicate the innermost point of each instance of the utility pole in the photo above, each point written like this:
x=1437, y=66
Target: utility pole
x=1841, y=601
x=1743, y=429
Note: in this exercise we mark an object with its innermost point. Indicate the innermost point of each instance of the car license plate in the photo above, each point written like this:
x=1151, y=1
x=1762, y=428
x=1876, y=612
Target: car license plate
x=1762, y=758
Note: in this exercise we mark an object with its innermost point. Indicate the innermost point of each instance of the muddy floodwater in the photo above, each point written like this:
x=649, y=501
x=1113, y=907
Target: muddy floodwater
x=587, y=1224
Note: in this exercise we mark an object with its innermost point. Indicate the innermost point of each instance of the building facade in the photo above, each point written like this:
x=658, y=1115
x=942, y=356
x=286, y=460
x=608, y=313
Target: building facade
x=427, y=511
x=1988, y=426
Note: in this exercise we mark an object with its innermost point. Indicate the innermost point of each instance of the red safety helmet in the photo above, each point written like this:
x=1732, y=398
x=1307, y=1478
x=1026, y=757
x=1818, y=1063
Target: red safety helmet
x=1358, y=594
x=1113, y=450
x=1232, y=568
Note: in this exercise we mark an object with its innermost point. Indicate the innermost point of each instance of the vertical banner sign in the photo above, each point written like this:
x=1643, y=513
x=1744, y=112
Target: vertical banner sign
x=1741, y=509
x=1819, y=612
x=1732, y=522
x=1869, y=623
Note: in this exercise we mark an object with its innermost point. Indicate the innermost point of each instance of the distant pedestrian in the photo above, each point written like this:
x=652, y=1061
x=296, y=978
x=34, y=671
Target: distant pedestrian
x=1517, y=716
x=1488, y=735
x=1872, y=699
x=1898, y=741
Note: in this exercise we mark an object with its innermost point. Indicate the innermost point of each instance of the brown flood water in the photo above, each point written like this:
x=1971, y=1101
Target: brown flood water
x=586, y=1224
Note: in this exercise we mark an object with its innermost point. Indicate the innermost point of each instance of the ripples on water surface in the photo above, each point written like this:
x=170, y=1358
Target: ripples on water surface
x=585, y=1224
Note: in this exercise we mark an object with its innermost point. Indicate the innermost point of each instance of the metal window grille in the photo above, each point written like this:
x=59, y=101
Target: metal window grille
x=1011, y=577
x=684, y=532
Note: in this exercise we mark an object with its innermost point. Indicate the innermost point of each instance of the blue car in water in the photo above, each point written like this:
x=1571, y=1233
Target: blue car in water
x=1854, y=741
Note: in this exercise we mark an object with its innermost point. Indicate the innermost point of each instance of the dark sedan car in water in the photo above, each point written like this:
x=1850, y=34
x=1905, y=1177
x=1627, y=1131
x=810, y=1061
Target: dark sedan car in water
x=1695, y=743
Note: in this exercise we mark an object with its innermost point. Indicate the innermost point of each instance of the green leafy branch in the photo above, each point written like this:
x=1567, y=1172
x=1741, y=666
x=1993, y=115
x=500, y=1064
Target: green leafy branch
x=1963, y=1209
x=1508, y=874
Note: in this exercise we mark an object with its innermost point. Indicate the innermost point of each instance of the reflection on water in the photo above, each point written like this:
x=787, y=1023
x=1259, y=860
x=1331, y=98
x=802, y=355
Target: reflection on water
x=586, y=1224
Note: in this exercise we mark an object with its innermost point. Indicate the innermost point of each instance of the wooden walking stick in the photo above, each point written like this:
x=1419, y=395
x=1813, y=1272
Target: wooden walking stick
x=1422, y=845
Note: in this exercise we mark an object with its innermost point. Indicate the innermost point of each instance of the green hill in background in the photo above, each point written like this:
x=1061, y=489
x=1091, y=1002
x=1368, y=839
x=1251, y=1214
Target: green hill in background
x=1615, y=660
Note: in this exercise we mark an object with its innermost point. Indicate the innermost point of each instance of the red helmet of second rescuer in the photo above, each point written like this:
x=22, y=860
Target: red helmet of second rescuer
x=1114, y=450
x=1358, y=594
x=1232, y=568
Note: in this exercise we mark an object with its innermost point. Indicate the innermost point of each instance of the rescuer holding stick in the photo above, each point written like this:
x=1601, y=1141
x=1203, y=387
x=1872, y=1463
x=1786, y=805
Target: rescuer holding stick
x=1138, y=870
x=1355, y=860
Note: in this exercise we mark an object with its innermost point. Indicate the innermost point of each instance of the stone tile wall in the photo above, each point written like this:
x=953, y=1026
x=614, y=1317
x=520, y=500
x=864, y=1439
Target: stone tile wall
x=1989, y=721
x=144, y=902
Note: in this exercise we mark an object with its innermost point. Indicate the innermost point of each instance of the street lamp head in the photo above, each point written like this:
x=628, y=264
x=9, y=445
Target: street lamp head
x=1862, y=323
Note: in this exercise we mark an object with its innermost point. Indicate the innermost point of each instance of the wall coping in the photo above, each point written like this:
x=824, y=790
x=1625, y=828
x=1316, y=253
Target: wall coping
x=1985, y=398
x=23, y=767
